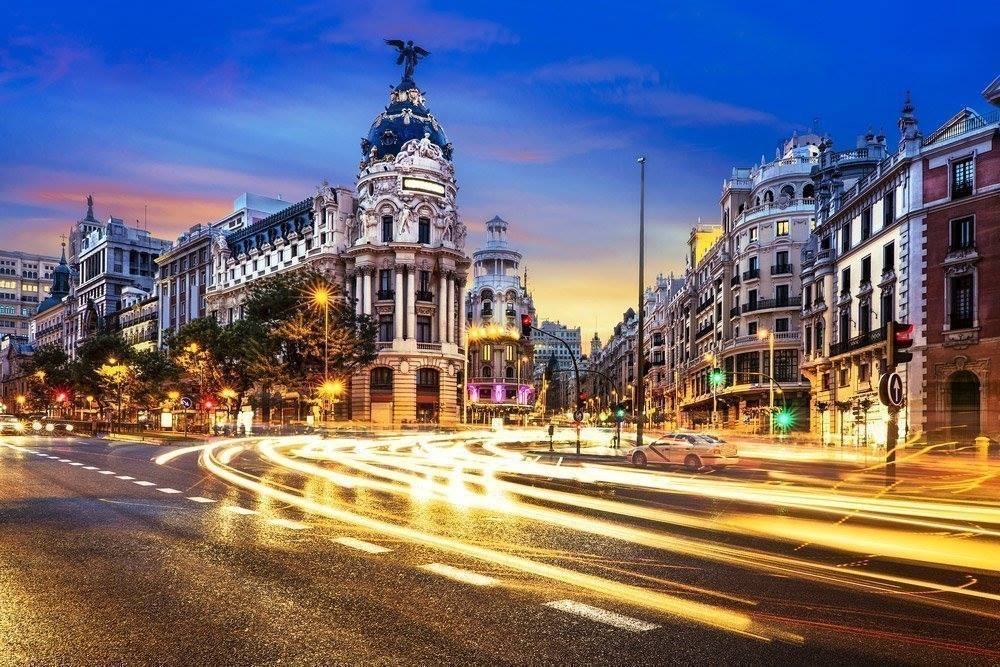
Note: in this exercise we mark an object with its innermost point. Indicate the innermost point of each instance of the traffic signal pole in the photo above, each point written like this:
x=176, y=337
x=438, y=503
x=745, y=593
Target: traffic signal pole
x=526, y=326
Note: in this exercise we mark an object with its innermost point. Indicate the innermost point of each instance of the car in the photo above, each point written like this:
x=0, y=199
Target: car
x=11, y=424
x=691, y=450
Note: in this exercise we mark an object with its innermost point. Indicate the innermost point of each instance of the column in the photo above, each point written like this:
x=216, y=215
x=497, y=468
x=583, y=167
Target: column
x=358, y=304
x=461, y=313
x=411, y=303
x=450, y=324
x=443, y=309
x=368, y=291
x=398, y=313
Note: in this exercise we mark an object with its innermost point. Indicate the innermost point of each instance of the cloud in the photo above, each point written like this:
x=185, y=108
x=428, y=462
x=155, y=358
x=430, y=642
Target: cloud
x=541, y=144
x=689, y=109
x=596, y=71
x=35, y=62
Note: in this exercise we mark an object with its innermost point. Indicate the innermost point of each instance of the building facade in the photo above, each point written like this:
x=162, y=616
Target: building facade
x=48, y=324
x=137, y=321
x=554, y=363
x=500, y=362
x=25, y=278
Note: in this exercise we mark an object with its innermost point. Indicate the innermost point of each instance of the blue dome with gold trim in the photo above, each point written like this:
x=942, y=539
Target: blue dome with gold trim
x=404, y=119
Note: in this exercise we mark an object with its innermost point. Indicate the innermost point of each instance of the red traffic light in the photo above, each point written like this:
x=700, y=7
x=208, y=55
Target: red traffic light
x=903, y=335
x=526, y=325
x=61, y=396
x=900, y=338
x=208, y=404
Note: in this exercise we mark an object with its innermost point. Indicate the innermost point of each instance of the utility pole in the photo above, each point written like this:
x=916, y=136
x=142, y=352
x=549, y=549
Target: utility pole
x=640, y=347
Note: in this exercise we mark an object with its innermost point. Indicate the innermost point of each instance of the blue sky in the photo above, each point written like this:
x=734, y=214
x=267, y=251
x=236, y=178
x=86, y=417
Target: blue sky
x=181, y=108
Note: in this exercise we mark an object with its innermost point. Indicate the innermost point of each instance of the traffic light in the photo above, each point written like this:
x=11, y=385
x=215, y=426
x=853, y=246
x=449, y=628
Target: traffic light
x=784, y=419
x=208, y=405
x=526, y=326
x=620, y=413
x=900, y=337
x=717, y=377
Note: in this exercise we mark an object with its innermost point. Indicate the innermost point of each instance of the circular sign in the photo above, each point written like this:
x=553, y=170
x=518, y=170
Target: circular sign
x=578, y=416
x=890, y=390
x=186, y=403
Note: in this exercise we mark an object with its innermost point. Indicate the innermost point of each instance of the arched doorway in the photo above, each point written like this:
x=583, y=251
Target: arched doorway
x=963, y=399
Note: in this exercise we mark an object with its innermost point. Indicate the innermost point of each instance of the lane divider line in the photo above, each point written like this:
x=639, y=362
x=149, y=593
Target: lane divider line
x=106, y=472
x=200, y=499
x=125, y=477
x=90, y=467
x=361, y=545
x=142, y=482
x=64, y=461
x=458, y=574
x=619, y=621
x=167, y=489
x=74, y=463
x=236, y=509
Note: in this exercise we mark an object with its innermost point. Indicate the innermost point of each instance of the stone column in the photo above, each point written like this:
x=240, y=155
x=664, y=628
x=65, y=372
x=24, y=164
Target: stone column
x=358, y=302
x=398, y=314
x=461, y=312
x=411, y=303
x=450, y=324
x=443, y=299
x=368, y=291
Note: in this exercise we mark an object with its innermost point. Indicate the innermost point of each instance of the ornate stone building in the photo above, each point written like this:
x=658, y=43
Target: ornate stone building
x=500, y=360
x=396, y=245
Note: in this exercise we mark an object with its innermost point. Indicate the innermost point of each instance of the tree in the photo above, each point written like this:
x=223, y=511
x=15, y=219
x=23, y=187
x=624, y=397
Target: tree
x=50, y=372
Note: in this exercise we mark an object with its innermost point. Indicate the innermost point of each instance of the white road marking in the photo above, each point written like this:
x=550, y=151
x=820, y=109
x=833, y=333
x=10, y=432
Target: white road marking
x=458, y=574
x=602, y=616
x=236, y=509
x=125, y=477
x=106, y=472
x=90, y=467
x=361, y=545
x=74, y=463
x=141, y=482
x=167, y=489
x=288, y=523
x=64, y=461
x=200, y=499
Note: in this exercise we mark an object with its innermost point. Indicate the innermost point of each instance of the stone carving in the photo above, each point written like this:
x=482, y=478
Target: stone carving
x=409, y=55
x=404, y=221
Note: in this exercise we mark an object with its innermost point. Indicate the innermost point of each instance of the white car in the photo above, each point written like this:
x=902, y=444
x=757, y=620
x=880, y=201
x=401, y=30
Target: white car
x=11, y=424
x=691, y=450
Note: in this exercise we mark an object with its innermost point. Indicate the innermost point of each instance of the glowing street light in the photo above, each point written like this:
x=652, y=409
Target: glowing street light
x=769, y=335
x=784, y=419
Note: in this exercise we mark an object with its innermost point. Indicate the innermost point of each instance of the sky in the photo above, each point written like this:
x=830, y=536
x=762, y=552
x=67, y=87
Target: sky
x=168, y=111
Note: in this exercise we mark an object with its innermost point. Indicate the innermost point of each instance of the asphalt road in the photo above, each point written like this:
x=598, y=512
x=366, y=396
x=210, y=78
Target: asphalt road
x=108, y=558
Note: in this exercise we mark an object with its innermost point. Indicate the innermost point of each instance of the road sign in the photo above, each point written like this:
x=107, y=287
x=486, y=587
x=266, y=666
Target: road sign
x=890, y=390
x=578, y=416
x=186, y=403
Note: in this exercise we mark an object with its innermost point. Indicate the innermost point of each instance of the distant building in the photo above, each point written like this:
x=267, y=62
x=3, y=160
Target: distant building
x=48, y=323
x=25, y=279
x=561, y=367
x=500, y=363
x=14, y=350
x=613, y=368
x=137, y=319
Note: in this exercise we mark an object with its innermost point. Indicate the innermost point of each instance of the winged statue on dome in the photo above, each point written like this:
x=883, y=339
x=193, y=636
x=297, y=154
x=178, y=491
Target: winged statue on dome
x=409, y=55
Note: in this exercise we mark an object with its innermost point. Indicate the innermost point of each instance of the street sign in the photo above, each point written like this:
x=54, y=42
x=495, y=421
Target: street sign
x=578, y=416
x=890, y=390
x=186, y=403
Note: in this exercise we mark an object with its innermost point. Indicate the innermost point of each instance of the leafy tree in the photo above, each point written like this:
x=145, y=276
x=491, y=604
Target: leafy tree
x=50, y=371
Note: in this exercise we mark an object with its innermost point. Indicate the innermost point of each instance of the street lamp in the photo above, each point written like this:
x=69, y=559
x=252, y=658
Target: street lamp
x=321, y=299
x=769, y=335
x=641, y=334
x=716, y=378
x=20, y=399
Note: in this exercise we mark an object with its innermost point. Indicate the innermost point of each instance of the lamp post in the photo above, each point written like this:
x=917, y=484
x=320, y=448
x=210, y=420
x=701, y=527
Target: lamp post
x=640, y=346
x=321, y=299
x=769, y=335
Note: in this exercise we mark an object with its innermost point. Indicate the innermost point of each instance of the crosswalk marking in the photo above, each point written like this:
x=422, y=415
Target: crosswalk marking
x=458, y=574
x=361, y=545
x=200, y=499
x=602, y=616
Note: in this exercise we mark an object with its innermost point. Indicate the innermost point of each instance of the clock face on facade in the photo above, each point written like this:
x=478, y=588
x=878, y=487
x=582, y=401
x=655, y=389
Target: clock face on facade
x=411, y=184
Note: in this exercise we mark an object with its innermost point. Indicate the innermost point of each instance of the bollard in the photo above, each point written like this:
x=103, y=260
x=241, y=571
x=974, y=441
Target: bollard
x=982, y=448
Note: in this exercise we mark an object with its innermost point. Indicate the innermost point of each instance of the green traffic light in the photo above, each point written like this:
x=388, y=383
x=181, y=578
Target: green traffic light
x=784, y=419
x=717, y=377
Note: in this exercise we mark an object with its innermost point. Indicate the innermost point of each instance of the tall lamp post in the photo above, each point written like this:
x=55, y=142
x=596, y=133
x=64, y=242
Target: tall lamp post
x=640, y=347
x=769, y=335
x=321, y=299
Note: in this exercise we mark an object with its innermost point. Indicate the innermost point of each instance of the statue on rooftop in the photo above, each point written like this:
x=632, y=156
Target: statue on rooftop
x=409, y=55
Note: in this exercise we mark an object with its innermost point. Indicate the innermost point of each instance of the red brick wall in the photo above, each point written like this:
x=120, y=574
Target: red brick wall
x=935, y=182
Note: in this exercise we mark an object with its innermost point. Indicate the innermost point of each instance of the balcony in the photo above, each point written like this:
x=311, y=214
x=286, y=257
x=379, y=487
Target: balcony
x=429, y=347
x=705, y=330
x=781, y=269
x=872, y=337
x=703, y=305
x=752, y=274
x=425, y=295
x=735, y=280
x=734, y=311
x=767, y=304
x=385, y=294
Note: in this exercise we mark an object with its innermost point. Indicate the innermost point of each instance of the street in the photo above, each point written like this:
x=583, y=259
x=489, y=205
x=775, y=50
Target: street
x=427, y=548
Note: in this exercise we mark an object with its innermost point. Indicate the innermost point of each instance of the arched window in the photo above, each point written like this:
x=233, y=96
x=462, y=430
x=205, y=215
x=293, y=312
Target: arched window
x=487, y=372
x=428, y=378
x=756, y=200
x=768, y=197
x=788, y=191
x=964, y=402
x=381, y=378
x=808, y=191
x=509, y=372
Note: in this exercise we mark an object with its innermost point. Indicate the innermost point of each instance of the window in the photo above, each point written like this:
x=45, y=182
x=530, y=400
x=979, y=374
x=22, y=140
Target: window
x=781, y=295
x=385, y=328
x=786, y=365
x=428, y=378
x=808, y=191
x=386, y=228
x=384, y=281
x=864, y=372
x=753, y=264
x=866, y=270
x=425, y=281
x=781, y=324
x=962, y=302
x=752, y=299
x=381, y=379
x=424, y=230
x=424, y=329
x=888, y=257
x=845, y=376
x=509, y=372
x=508, y=353
x=845, y=281
x=866, y=223
x=487, y=352
x=826, y=381
x=781, y=228
x=753, y=235
x=889, y=209
x=844, y=334
x=845, y=237
x=961, y=178
x=819, y=336
x=809, y=295
x=864, y=317
x=487, y=372
x=886, y=307
x=808, y=340
x=963, y=233
x=752, y=329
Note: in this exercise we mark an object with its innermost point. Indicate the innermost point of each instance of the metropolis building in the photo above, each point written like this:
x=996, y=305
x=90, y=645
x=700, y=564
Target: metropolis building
x=396, y=245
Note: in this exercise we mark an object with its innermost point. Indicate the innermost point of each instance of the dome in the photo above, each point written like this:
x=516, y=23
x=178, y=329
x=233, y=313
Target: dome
x=404, y=119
